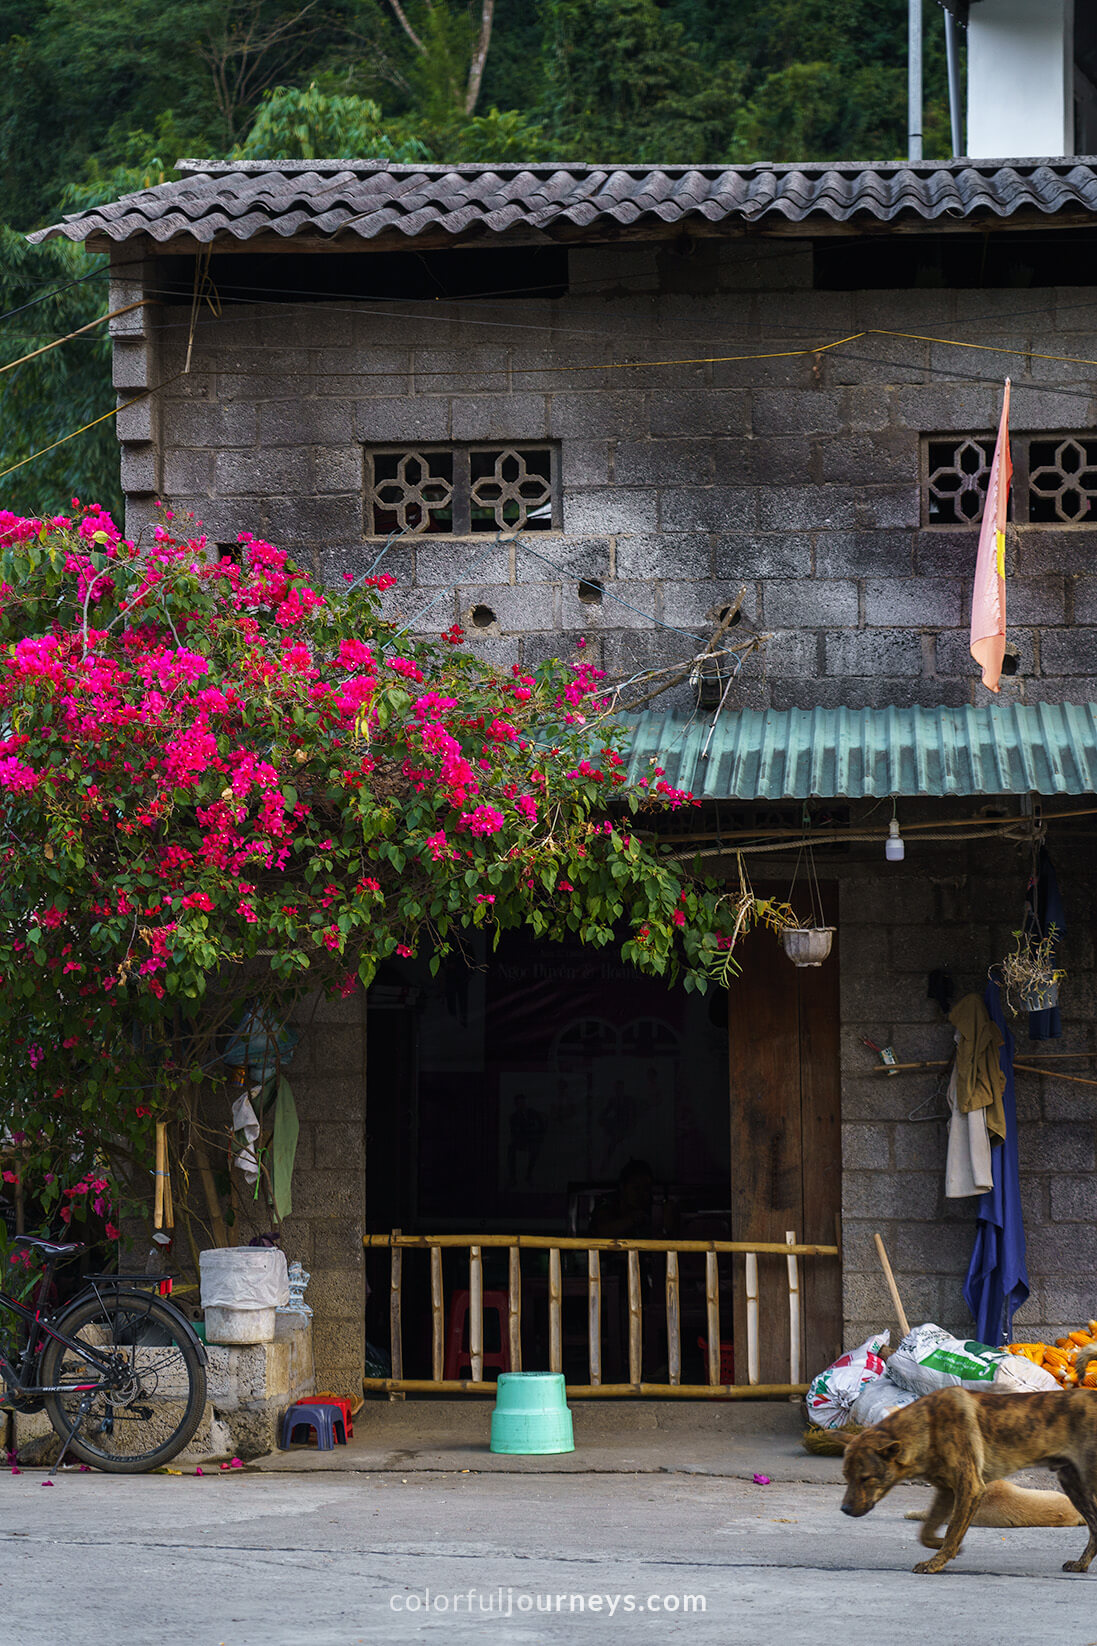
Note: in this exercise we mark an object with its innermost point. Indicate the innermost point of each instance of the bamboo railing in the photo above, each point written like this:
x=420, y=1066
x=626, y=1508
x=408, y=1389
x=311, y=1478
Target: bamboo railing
x=555, y=1245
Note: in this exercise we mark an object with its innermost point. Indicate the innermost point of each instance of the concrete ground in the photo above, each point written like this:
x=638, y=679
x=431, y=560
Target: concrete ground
x=286, y=1554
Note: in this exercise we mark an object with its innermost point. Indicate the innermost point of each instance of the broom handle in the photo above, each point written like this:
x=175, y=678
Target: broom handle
x=900, y=1314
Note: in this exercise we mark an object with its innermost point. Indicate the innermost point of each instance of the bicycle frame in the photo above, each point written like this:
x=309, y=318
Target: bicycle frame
x=24, y=1381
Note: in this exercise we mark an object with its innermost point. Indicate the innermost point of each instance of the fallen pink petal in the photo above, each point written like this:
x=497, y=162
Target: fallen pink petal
x=761, y=1480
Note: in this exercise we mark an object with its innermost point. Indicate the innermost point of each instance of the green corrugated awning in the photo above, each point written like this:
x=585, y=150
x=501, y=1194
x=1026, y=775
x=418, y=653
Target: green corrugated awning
x=793, y=754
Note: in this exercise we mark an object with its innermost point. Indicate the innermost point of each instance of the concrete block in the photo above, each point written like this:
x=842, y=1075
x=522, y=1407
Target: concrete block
x=403, y=419
x=807, y=508
x=706, y=508
x=1058, y=1148
x=607, y=510
x=946, y=408
x=563, y=645
x=723, y=412
x=788, y=411
x=589, y=463
x=664, y=554
x=740, y=556
x=138, y=469
x=276, y=469
x=914, y=602
x=864, y=554
x=188, y=472
x=625, y=605
x=664, y=463
x=446, y=560
x=1085, y=598
x=516, y=609
x=873, y=652
x=1035, y=408
x=294, y=522
x=476, y=370
x=790, y=653
x=865, y=408
x=809, y=603
x=696, y=605
x=1068, y=651
x=918, y=1146
x=515, y=416
x=865, y=1147
x=316, y=422
x=562, y=558
x=870, y=459
x=336, y=470
x=1074, y=1199
x=589, y=414
x=907, y=1196
x=131, y=363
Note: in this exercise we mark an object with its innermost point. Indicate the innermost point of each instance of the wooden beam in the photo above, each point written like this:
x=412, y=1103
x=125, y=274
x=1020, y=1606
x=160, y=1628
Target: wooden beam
x=594, y=1316
x=555, y=1303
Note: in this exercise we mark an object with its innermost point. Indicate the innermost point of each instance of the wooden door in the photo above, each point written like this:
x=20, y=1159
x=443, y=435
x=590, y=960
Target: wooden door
x=786, y=1156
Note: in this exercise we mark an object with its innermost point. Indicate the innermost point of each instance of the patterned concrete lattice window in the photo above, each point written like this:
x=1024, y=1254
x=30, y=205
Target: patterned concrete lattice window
x=461, y=490
x=955, y=480
x=410, y=491
x=1062, y=480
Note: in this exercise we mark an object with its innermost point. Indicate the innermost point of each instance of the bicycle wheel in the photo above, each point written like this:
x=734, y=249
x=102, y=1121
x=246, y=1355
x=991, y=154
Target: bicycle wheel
x=147, y=1409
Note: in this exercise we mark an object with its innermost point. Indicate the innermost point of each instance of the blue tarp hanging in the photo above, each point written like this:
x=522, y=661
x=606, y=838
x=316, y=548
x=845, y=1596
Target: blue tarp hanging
x=997, y=1279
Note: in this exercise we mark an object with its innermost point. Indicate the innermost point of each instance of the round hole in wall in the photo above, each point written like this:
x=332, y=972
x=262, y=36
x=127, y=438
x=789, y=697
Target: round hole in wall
x=722, y=616
x=591, y=591
x=482, y=617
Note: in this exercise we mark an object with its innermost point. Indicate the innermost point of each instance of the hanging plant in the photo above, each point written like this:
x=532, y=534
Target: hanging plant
x=807, y=943
x=746, y=912
x=1029, y=976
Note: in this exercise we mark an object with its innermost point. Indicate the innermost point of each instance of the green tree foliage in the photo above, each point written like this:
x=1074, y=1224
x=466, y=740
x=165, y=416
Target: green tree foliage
x=99, y=100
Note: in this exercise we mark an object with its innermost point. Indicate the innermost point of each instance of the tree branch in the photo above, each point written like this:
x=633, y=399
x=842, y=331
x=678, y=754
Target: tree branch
x=402, y=19
x=479, y=56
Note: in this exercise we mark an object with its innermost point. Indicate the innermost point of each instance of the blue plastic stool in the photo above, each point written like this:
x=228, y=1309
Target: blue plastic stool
x=328, y=1421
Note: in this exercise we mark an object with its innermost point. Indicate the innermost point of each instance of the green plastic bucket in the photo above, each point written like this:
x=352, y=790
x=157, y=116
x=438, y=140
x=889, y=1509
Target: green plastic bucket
x=531, y=1414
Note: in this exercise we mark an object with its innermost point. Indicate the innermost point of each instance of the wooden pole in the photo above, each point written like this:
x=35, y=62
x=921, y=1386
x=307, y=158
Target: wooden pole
x=514, y=1307
x=712, y=1313
x=158, y=1191
x=476, y=1314
x=209, y=1189
x=437, y=1315
x=900, y=1313
x=594, y=1316
x=674, y=1322
x=751, y=1268
x=793, y=1312
x=556, y=1318
x=396, y=1327
x=635, y=1318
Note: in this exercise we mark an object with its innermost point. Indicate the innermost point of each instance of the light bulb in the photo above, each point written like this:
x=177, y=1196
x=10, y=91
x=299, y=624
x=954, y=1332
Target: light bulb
x=894, y=846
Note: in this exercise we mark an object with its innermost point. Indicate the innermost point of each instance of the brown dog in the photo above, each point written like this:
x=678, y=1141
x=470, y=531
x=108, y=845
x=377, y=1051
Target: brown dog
x=961, y=1441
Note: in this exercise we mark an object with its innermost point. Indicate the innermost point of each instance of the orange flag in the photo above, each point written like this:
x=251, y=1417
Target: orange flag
x=988, y=598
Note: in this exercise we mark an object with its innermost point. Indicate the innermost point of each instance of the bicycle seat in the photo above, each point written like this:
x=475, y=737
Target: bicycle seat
x=53, y=1248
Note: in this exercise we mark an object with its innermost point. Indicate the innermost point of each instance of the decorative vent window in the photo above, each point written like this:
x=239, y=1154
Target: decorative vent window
x=461, y=490
x=1054, y=479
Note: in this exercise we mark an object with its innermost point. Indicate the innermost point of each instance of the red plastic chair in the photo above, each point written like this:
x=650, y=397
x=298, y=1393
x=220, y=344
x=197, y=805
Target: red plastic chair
x=457, y=1351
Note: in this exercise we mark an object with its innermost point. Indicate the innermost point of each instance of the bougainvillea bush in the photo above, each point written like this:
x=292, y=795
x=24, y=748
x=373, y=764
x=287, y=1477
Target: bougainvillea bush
x=220, y=784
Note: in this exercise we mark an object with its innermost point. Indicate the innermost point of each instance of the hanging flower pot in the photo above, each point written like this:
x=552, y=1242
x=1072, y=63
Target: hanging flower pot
x=1040, y=997
x=807, y=945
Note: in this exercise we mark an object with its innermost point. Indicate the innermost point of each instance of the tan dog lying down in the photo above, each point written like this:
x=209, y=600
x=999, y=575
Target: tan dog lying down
x=963, y=1442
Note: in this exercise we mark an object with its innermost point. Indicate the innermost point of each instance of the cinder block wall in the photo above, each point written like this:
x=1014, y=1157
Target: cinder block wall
x=957, y=906
x=798, y=478
x=328, y=1077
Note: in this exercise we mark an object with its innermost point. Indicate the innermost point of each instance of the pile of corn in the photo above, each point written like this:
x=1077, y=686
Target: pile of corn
x=1059, y=1360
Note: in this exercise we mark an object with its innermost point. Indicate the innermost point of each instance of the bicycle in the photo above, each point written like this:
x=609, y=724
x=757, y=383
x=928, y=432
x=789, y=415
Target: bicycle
x=119, y=1371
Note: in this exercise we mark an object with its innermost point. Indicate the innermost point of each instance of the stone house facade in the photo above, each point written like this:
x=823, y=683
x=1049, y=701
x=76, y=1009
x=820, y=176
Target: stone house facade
x=570, y=404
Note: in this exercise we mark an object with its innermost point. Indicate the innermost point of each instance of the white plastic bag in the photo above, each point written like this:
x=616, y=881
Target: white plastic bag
x=1018, y=1376
x=831, y=1394
x=877, y=1399
x=930, y=1358
x=244, y=1277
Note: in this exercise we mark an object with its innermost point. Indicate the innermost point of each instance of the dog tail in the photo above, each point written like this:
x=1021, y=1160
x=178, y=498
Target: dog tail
x=1005, y=1504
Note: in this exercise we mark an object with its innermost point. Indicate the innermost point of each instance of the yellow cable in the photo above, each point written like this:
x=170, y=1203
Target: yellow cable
x=44, y=449
x=56, y=344
x=700, y=360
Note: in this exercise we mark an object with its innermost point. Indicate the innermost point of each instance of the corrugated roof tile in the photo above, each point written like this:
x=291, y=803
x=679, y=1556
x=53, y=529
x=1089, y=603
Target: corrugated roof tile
x=800, y=754
x=369, y=198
